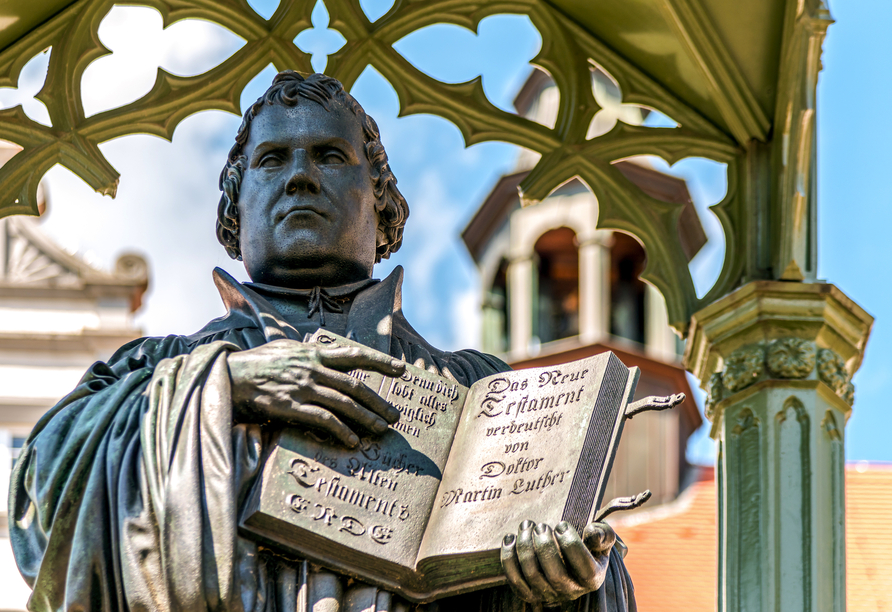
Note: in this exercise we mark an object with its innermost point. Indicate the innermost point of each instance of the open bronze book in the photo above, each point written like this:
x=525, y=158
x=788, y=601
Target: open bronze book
x=422, y=510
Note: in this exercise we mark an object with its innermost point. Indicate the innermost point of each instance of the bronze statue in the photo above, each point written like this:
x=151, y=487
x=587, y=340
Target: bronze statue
x=127, y=493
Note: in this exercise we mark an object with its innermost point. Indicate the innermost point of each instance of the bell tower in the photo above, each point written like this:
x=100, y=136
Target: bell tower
x=555, y=288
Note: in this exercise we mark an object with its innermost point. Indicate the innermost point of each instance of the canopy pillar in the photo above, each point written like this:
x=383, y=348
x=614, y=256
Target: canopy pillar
x=778, y=358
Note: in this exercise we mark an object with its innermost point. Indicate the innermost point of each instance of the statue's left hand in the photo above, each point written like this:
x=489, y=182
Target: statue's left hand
x=551, y=566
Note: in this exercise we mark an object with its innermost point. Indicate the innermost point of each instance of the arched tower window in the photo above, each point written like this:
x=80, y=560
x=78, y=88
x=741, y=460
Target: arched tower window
x=496, y=322
x=627, y=316
x=557, y=307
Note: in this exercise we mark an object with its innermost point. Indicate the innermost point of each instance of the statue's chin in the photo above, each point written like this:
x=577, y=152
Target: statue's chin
x=306, y=272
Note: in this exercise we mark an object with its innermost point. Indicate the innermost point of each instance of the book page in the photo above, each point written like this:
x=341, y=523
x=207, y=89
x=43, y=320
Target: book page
x=375, y=499
x=517, y=450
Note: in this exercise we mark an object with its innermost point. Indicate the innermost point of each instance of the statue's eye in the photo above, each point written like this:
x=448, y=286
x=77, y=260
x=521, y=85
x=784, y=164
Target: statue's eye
x=270, y=160
x=331, y=156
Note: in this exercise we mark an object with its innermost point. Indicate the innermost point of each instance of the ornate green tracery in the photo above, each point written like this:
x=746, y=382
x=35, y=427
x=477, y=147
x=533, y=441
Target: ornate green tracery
x=567, y=53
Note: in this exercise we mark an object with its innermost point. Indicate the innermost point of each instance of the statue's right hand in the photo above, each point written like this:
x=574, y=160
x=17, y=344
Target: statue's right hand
x=306, y=385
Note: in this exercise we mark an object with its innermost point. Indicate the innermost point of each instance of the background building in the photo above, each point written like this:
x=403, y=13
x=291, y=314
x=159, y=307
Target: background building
x=58, y=315
x=557, y=289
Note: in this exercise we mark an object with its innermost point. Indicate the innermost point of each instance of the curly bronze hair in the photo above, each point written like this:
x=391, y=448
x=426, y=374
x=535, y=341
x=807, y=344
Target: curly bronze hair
x=287, y=89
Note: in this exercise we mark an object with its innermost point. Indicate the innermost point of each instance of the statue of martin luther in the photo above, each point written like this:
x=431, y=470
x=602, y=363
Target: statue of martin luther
x=128, y=492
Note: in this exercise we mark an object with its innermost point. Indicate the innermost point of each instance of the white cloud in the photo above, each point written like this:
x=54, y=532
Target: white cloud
x=140, y=45
x=439, y=274
x=31, y=79
x=432, y=218
x=466, y=317
x=165, y=209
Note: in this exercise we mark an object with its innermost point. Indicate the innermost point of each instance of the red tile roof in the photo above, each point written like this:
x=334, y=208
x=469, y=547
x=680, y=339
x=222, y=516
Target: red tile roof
x=868, y=537
x=672, y=548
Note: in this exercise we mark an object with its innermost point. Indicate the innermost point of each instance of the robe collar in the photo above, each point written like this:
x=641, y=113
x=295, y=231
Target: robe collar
x=369, y=322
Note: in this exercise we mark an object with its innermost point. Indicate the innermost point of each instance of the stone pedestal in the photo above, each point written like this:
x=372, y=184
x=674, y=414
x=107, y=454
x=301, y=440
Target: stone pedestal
x=777, y=359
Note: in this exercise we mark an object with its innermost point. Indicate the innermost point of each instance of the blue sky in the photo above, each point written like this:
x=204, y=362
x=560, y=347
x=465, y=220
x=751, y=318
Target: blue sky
x=854, y=212
x=167, y=198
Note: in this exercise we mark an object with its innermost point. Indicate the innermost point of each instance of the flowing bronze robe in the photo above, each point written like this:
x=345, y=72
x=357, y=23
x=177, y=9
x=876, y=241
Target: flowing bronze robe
x=127, y=494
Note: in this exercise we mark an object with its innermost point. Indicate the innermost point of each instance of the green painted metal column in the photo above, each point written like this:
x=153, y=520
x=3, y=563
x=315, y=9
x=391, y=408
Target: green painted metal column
x=778, y=358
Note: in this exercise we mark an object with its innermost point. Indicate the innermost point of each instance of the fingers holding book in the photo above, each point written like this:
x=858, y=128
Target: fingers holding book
x=552, y=565
x=302, y=384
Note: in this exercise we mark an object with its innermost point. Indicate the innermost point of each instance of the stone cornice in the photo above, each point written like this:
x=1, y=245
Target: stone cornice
x=86, y=340
x=777, y=331
x=762, y=311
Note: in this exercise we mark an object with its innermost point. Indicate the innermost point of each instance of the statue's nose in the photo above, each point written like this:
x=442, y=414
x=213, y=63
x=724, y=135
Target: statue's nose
x=304, y=175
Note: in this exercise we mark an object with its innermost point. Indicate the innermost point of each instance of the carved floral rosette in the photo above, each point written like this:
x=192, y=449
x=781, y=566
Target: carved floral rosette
x=790, y=357
x=784, y=358
x=832, y=370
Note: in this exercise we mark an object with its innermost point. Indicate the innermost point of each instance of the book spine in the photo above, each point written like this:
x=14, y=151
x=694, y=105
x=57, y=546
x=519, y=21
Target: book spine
x=598, y=449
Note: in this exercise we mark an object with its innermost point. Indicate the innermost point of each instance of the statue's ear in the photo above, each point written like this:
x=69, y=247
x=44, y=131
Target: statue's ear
x=382, y=241
x=382, y=245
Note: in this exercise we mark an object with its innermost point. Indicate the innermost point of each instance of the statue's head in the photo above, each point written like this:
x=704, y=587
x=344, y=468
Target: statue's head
x=308, y=194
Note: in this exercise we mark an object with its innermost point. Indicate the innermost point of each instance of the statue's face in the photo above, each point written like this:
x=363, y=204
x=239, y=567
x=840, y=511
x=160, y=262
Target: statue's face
x=306, y=203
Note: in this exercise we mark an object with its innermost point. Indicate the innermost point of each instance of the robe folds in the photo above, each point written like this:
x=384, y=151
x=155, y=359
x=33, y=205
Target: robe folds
x=127, y=493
